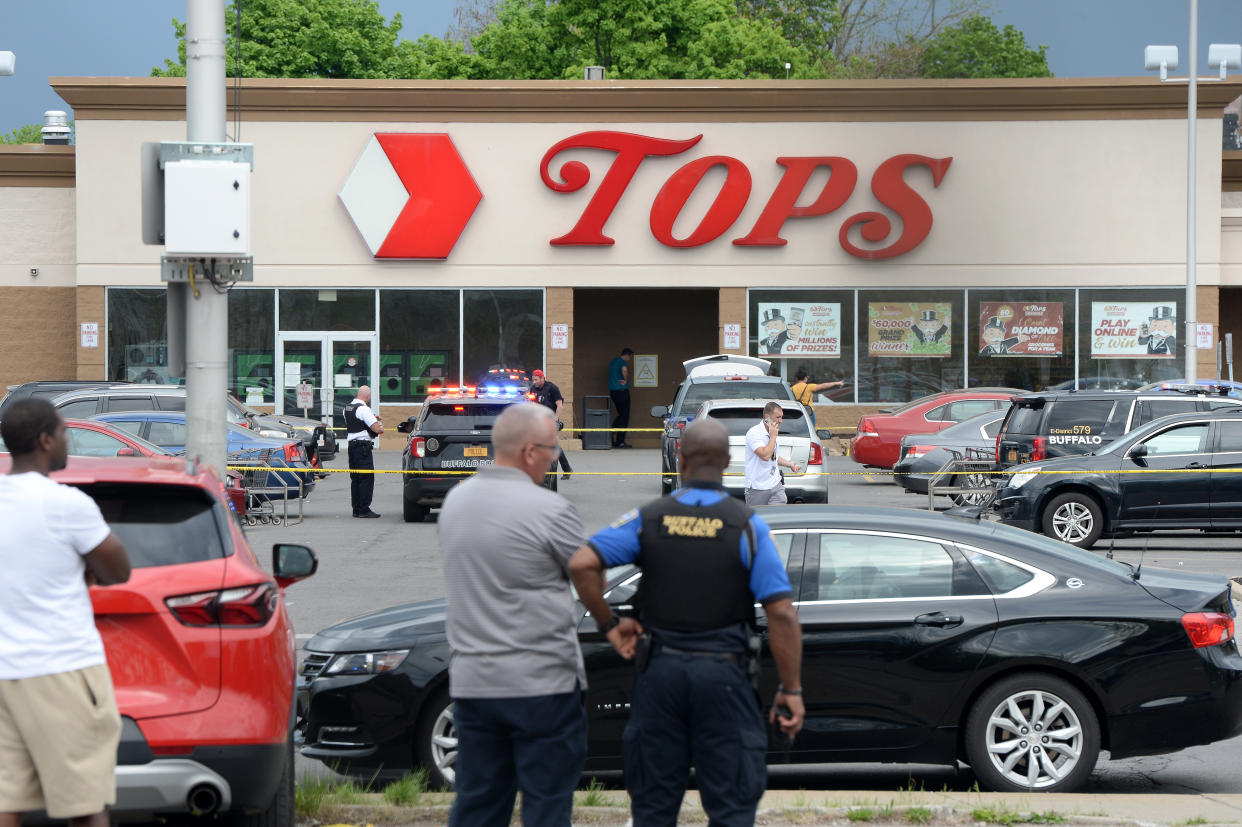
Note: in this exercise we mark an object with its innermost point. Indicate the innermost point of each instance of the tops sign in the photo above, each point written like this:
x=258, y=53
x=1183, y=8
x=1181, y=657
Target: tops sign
x=411, y=195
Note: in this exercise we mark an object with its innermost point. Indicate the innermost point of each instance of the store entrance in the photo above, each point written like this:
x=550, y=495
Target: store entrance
x=663, y=328
x=334, y=365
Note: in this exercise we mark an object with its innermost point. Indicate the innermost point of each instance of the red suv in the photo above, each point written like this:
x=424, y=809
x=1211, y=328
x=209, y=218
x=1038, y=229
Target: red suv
x=877, y=437
x=199, y=644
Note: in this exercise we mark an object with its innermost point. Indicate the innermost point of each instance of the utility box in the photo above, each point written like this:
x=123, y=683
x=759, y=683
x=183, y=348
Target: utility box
x=206, y=208
x=595, y=416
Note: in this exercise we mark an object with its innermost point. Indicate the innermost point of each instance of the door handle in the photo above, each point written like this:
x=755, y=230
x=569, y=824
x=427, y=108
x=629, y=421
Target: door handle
x=939, y=619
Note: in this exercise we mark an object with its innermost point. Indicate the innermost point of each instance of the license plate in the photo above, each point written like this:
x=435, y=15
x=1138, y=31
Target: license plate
x=320, y=442
x=475, y=451
x=1013, y=455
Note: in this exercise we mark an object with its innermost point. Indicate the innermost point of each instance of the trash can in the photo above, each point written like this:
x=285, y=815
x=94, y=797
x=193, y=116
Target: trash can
x=596, y=413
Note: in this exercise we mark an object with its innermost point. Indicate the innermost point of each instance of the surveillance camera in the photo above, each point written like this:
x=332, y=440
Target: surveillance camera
x=34, y=271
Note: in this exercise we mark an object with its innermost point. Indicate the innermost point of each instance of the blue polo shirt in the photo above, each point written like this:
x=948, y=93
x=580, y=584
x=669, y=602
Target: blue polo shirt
x=615, y=379
x=618, y=544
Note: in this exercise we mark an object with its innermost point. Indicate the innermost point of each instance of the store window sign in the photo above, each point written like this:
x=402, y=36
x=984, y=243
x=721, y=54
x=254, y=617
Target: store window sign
x=1133, y=330
x=800, y=329
x=1021, y=328
x=909, y=329
x=888, y=184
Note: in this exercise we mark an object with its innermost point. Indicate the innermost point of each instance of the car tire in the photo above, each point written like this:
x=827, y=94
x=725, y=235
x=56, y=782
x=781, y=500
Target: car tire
x=974, y=497
x=435, y=741
x=412, y=512
x=1004, y=760
x=279, y=813
x=1075, y=518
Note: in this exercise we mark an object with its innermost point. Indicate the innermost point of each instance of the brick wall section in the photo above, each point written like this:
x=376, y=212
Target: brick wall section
x=91, y=361
x=1207, y=309
x=733, y=311
x=560, y=363
x=39, y=334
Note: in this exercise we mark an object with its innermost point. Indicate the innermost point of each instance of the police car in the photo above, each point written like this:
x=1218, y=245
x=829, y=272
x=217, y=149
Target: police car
x=453, y=434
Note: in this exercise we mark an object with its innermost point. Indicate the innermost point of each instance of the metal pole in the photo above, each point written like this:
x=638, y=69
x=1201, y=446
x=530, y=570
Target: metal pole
x=1192, y=106
x=207, y=314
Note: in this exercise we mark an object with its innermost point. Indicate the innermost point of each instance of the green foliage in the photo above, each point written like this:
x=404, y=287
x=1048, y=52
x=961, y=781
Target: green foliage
x=918, y=815
x=593, y=796
x=976, y=48
x=860, y=814
x=408, y=790
x=308, y=797
x=31, y=133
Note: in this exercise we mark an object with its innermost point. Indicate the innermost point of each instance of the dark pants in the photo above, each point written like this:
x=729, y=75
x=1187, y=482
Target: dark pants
x=361, y=486
x=701, y=710
x=620, y=398
x=535, y=744
x=564, y=460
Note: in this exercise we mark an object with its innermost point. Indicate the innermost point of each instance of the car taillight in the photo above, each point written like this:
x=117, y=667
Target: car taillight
x=817, y=454
x=243, y=606
x=292, y=450
x=676, y=445
x=998, y=441
x=866, y=428
x=918, y=450
x=1039, y=450
x=1207, y=628
x=418, y=446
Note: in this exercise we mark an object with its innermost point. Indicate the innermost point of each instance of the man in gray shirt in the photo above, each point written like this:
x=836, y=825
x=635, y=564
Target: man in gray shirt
x=516, y=674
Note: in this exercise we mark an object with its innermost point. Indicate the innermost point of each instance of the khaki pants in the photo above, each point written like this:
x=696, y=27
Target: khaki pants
x=766, y=496
x=58, y=740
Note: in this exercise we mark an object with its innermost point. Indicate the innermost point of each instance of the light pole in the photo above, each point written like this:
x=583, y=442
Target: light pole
x=1164, y=58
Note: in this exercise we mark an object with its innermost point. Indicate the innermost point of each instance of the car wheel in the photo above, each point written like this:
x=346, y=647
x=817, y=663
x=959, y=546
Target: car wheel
x=279, y=813
x=973, y=481
x=435, y=744
x=412, y=512
x=1032, y=732
x=1074, y=518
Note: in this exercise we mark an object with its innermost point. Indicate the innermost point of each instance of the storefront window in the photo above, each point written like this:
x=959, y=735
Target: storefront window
x=137, y=336
x=806, y=330
x=419, y=340
x=1129, y=337
x=252, y=338
x=327, y=309
x=501, y=328
x=1021, y=339
x=910, y=344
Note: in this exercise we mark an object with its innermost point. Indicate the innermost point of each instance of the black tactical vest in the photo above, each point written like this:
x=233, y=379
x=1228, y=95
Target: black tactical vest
x=352, y=423
x=694, y=579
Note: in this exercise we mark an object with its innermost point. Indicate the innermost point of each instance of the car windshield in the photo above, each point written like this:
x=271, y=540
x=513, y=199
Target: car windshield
x=741, y=420
x=460, y=416
x=160, y=525
x=699, y=392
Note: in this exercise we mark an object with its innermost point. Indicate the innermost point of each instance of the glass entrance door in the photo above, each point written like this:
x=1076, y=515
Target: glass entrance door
x=351, y=369
x=335, y=365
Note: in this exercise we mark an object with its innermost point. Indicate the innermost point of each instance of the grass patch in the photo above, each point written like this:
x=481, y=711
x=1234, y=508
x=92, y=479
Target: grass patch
x=593, y=796
x=408, y=791
x=348, y=792
x=860, y=814
x=1196, y=820
x=918, y=815
x=995, y=815
x=308, y=797
x=1049, y=817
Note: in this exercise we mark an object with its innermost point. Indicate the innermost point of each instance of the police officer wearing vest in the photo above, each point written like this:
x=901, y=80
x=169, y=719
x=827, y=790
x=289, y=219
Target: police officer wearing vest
x=706, y=559
x=363, y=426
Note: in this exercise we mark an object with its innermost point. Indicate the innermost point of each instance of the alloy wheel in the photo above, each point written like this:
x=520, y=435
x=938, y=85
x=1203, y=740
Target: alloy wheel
x=1073, y=522
x=444, y=744
x=1034, y=739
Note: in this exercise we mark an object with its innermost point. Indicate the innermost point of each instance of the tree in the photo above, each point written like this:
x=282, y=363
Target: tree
x=976, y=48
x=31, y=133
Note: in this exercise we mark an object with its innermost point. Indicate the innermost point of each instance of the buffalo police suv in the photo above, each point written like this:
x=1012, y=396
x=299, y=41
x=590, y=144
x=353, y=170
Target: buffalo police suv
x=452, y=434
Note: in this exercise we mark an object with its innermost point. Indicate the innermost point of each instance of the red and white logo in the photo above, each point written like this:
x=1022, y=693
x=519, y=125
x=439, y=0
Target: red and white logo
x=410, y=195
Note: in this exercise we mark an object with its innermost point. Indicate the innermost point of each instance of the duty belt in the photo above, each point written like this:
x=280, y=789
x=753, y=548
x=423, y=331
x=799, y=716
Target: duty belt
x=731, y=657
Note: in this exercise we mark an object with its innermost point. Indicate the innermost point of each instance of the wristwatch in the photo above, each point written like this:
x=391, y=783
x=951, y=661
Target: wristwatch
x=608, y=625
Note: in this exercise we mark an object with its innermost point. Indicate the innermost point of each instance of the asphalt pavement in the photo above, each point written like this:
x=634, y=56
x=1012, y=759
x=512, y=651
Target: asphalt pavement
x=369, y=564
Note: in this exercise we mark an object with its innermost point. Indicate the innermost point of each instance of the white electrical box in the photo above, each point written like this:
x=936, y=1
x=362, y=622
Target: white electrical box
x=207, y=208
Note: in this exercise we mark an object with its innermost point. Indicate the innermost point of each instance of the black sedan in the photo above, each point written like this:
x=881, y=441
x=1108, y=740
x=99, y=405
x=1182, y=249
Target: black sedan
x=928, y=638
x=1176, y=472
x=922, y=455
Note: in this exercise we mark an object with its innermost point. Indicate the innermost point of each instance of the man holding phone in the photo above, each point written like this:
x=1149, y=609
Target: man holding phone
x=764, y=484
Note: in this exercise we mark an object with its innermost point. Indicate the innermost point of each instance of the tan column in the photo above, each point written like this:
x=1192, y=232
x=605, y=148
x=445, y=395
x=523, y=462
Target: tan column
x=560, y=363
x=733, y=311
x=1207, y=301
x=91, y=308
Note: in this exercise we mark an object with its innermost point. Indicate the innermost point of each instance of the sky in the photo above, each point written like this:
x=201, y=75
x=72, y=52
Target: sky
x=121, y=38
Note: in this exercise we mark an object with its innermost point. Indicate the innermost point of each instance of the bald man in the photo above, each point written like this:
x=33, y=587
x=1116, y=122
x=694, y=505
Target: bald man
x=363, y=426
x=706, y=560
x=516, y=674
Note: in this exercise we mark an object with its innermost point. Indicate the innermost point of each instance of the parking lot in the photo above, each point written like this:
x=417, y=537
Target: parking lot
x=369, y=564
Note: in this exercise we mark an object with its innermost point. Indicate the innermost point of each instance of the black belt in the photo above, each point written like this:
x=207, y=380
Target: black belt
x=731, y=657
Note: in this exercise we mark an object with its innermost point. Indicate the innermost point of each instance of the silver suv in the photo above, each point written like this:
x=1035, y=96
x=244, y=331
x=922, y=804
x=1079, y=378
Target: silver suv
x=796, y=441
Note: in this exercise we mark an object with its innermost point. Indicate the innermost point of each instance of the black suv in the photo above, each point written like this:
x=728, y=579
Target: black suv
x=1065, y=423
x=723, y=376
x=453, y=432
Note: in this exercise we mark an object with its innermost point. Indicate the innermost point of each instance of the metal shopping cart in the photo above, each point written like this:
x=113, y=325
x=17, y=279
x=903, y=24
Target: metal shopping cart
x=265, y=487
x=966, y=477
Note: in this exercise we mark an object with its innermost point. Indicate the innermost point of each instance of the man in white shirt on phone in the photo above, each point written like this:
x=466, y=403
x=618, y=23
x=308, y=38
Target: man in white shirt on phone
x=764, y=485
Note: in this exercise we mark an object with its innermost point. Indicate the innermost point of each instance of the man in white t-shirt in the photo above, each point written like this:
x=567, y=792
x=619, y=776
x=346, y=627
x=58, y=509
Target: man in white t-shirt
x=59, y=725
x=763, y=475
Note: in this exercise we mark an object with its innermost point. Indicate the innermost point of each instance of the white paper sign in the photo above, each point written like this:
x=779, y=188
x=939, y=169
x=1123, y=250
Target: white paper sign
x=1203, y=337
x=560, y=337
x=646, y=370
x=293, y=374
x=344, y=380
x=306, y=397
x=90, y=334
x=254, y=395
x=732, y=337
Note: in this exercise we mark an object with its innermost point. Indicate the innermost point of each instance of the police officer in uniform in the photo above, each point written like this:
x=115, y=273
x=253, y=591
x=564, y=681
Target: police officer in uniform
x=706, y=559
x=363, y=426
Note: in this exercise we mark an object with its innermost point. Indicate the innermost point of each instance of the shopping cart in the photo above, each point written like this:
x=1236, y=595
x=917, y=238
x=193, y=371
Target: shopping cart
x=264, y=488
x=966, y=477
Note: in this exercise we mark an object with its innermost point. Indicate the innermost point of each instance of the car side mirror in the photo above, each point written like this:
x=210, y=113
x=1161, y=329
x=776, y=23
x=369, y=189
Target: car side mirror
x=291, y=563
x=659, y=411
x=405, y=427
x=126, y=452
x=1138, y=451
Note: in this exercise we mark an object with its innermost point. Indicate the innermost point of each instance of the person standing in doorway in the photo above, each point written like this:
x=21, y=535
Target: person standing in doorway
x=59, y=724
x=549, y=395
x=619, y=390
x=764, y=484
x=363, y=426
x=516, y=674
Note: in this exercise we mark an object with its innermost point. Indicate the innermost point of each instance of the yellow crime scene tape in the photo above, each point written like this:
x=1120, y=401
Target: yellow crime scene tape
x=873, y=472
